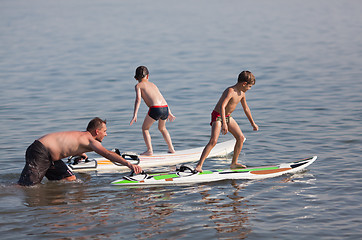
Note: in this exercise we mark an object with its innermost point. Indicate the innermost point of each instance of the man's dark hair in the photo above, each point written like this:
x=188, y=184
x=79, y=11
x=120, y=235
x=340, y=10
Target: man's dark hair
x=95, y=123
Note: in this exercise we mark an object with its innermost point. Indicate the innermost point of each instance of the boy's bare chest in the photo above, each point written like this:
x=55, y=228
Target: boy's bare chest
x=236, y=98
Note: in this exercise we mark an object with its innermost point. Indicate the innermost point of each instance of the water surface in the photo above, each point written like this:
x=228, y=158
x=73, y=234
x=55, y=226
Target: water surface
x=63, y=63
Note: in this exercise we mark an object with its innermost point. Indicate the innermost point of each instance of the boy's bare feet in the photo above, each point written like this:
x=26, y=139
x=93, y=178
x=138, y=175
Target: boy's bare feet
x=199, y=169
x=237, y=165
x=147, y=153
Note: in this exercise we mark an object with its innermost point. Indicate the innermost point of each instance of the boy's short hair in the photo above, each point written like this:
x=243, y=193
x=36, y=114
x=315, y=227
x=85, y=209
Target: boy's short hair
x=95, y=123
x=246, y=76
x=141, y=72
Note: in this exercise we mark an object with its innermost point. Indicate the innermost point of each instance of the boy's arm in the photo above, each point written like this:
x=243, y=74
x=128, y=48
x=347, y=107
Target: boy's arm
x=227, y=95
x=136, y=104
x=248, y=114
x=170, y=117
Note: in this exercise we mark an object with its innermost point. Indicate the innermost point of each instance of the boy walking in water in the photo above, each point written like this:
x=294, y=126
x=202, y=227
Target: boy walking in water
x=221, y=118
x=158, y=109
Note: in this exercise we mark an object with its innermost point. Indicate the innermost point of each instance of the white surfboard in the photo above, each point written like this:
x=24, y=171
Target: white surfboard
x=186, y=175
x=157, y=159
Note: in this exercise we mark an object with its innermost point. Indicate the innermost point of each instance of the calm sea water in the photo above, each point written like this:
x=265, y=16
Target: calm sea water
x=65, y=62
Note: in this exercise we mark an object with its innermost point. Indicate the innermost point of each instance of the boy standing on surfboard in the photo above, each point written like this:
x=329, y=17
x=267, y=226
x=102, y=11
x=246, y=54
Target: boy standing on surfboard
x=158, y=109
x=221, y=118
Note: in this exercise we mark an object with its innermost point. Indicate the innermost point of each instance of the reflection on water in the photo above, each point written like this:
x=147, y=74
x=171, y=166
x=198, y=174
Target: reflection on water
x=225, y=209
x=68, y=209
x=158, y=210
x=154, y=210
x=231, y=218
x=53, y=193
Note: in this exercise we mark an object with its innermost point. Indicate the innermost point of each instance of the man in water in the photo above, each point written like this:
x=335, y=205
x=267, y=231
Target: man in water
x=43, y=156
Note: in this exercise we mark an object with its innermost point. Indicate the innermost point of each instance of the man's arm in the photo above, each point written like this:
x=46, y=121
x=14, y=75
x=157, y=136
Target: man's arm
x=248, y=114
x=114, y=157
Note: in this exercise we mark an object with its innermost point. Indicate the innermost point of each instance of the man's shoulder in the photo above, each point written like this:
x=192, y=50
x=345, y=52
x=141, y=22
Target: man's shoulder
x=85, y=134
x=85, y=138
x=74, y=132
x=79, y=134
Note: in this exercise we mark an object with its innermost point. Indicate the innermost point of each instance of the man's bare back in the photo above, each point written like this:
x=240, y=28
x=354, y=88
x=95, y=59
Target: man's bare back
x=65, y=144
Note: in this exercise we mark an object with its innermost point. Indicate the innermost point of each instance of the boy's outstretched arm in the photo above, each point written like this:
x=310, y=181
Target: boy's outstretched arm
x=248, y=114
x=136, y=104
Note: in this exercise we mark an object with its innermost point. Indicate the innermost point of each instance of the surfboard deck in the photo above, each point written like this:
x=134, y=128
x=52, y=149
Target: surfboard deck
x=187, y=176
x=157, y=159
